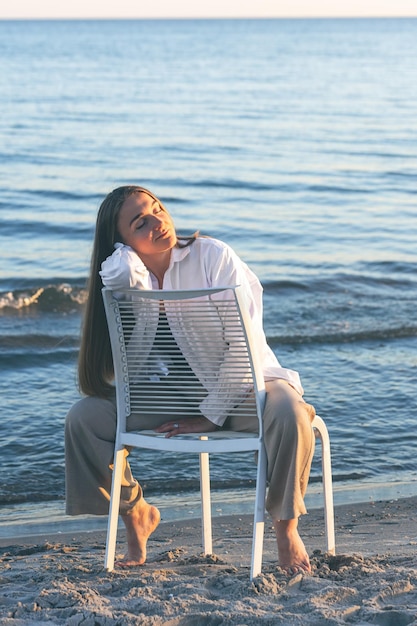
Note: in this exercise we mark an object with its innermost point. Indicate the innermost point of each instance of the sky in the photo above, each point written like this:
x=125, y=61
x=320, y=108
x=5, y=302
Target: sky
x=53, y=9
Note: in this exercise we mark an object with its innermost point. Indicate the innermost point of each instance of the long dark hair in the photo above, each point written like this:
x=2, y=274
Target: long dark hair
x=95, y=363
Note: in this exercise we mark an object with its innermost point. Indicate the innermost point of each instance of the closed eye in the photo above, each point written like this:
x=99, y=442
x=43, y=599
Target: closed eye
x=139, y=220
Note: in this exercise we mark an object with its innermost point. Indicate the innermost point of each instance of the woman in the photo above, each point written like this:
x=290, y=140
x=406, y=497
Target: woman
x=136, y=246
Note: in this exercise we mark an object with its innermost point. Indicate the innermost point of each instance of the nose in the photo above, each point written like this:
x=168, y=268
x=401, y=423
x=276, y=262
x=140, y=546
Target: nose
x=157, y=221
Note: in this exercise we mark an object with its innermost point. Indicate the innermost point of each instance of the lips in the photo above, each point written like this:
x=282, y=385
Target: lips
x=161, y=235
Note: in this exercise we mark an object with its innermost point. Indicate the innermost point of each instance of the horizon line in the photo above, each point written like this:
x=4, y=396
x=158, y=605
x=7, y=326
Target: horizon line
x=202, y=18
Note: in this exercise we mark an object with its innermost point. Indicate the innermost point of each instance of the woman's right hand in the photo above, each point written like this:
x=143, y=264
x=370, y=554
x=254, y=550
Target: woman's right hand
x=124, y=269
x=199, y=424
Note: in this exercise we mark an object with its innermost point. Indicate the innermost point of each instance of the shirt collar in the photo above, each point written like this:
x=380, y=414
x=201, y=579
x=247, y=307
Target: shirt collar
x=178, y=254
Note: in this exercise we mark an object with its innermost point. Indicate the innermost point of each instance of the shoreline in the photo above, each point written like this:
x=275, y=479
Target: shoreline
x=31, y=519
x=361, y=526
x=59, y=578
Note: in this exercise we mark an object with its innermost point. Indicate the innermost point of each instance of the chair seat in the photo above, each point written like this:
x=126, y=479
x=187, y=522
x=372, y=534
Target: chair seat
x=216, y=434
x=216, y=441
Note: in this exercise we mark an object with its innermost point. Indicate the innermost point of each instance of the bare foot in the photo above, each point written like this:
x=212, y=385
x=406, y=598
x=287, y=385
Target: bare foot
x=292, y=554
x=140, y=524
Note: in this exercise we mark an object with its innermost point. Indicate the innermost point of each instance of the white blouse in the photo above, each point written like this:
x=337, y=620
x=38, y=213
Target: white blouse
x=205, y=263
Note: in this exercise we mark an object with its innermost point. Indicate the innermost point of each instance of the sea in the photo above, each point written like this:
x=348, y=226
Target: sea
x=295, y=141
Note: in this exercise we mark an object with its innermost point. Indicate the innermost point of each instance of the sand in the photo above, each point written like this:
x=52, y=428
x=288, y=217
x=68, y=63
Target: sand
x=372, y=579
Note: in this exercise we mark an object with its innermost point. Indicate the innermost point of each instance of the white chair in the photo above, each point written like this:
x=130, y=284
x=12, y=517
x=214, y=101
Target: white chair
x=214, y=332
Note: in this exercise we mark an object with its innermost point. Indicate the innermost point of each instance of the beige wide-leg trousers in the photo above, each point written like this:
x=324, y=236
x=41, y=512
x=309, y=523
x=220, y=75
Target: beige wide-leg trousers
x=89, y=446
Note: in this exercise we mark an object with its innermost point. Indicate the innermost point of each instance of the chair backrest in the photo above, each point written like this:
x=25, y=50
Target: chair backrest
x=182, y=352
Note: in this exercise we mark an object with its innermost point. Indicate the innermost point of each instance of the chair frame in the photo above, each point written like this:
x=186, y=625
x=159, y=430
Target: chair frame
x=202, y=444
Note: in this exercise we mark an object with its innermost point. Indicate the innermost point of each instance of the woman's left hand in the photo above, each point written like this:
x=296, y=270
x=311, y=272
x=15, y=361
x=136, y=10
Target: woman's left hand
x=186, y=425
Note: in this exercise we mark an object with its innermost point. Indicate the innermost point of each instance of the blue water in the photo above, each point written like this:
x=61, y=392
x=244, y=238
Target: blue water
x=293, y=140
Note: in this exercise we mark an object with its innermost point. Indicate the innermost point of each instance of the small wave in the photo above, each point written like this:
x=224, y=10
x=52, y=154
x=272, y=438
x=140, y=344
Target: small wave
x=59, y=194
x=379, y=334
x=377, y=275
x=192, y=148
x=340, y=478
x=30, y=229
x=36, y=359
x=295, y=187
x=62, y=297
x=278, y=285
x=32, y=341
x=336, y=189
x=232, y=184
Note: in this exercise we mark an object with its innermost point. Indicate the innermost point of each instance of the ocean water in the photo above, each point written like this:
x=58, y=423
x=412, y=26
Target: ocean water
x=293, y=140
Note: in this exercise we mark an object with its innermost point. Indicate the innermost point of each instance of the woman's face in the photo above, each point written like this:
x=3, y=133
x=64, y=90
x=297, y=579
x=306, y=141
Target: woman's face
x=145, y=226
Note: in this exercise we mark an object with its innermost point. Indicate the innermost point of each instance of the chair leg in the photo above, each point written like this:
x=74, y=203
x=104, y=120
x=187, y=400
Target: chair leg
x=114, y=510
x=205, y=501
x=259, y=516
x=321, y=429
